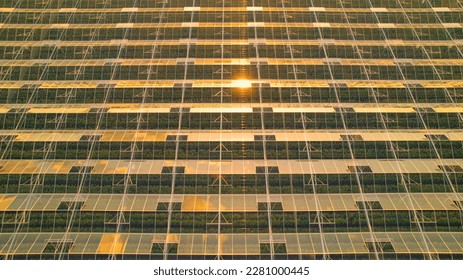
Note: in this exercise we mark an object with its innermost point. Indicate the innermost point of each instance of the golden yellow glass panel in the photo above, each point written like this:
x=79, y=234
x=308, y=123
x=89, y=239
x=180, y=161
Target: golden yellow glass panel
x=138, y=110
x=200, y=203
x=221, y=110
x=5, y=201
x=112, y=244
x=448, y=109
x=384, y=110
x=303, y=110
x=4, y=110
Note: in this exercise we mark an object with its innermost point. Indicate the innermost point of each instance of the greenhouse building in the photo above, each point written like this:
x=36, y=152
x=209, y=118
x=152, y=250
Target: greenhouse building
x=231, y=129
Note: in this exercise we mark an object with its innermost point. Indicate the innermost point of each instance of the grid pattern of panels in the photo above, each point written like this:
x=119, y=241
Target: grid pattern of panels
x=253, y=129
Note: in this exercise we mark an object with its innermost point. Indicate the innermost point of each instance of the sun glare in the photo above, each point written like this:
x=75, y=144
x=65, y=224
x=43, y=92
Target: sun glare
x=242, y=83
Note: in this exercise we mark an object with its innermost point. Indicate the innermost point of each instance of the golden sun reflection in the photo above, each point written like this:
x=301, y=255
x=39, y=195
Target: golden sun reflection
x=242, y=83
